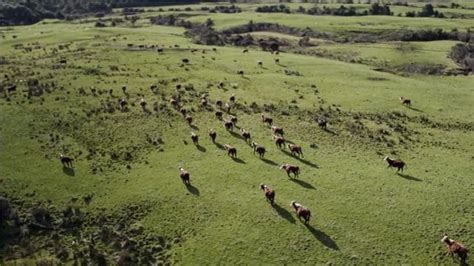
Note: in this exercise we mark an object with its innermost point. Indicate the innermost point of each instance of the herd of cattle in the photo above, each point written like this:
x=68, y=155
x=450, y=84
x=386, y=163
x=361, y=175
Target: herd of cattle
x=303, y=213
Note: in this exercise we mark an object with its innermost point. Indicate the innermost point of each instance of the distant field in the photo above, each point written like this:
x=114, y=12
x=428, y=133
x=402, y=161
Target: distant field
x=127, y=161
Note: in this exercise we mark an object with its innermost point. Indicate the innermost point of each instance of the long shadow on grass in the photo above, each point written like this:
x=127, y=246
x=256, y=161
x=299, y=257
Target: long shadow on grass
x=330, y=131
x=69, y=171
x=267, y=161
x=409, y=177
x=322, y=237
x=302, y=183
x=308, y=163
x=193, y=190
x=238, y=160
x=415, y=109
x=200, y=148
x=284, y=213
x=235, y=134
x=220, y=146
x=194, y=127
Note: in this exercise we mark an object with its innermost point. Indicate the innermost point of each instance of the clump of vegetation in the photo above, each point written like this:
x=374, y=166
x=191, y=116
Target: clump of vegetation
x=427, y=11
x=273, y=9
x=226, y=9
x=463, y=55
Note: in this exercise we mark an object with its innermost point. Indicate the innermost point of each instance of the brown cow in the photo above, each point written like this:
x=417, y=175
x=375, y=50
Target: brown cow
x=395, y=163
x=184, y=176
x=295, y=170
x=189, y=119
x=267, y=120
x=322, y=123
x=279, y=141
x=66, y=161
x=233, y=119
x=455, y=247
x=259, y=149
x=295, y=150
x=245, y=134
x=228, y=125
x=269, y=193
x=212, y=135
x=218, y=115
x=231, y=151
x=277, y=130
x=301, y=212
x=195, y=138
x=405, y=101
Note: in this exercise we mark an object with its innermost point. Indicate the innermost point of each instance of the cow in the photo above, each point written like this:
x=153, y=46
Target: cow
x=189, y=119
x=301, y=212
x=455, y=247
x=218, y=115
x=277, y=130
x=267, y=120
x=395, y=163
x=212, y=135
x=295, y=150
x=66, y=161
x=405, y=101
x=322, y=123
x=279, y=141
x=269, y=193
x=245, y=134
x=259, y=149
x=233, y=119
x=231, y=151
x=184, y=176
x=228, y=125
x=195, y=138
x=291, y=169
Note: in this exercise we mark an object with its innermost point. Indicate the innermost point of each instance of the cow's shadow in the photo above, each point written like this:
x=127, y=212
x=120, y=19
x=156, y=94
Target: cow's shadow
x=284, y=213
x=69, y=171
x=409, y=177
x=302, y=183
x=193, y=190
x=322, y=237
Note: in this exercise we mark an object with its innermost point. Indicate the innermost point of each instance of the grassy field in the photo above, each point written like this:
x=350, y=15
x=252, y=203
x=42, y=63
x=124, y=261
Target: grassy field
x=363, y=213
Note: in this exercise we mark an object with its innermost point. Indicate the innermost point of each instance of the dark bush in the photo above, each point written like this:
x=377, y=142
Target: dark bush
x=463, y=55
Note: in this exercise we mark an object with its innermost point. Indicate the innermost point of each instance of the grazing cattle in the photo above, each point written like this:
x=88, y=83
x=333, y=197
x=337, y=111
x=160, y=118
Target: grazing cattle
x=218, y=115
x=245, y=50
x=291, y=169
x=212, y=135
x=302, y=212
x=184, y=176
x=189, y=119
x=203, y=101
x=228, y=107
x=219, y=104
x=269, y=193
x=405, y=101
x=231, y=151
x=11, y=89
x=228, y=125
x=159, y=50
x=232, y=98
x=233, y=119
x=185, y=61
x=279, y=141
x=63, y=61
x=395, y=163
x=142, y=103
x=124, y=89
x=195, y=138
x=183, y=111
x=277, y=130
x=260, y=63
x=240, y=72
x=173, y=102
x=66, y=161
x=455, y=247
x=295, y=150
x=322, y=123
x=122, y=104
x=277, y=61
x=259, y=149
x=245, y=134
x=178, y=86
x=267, y=120
x=220, y=85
